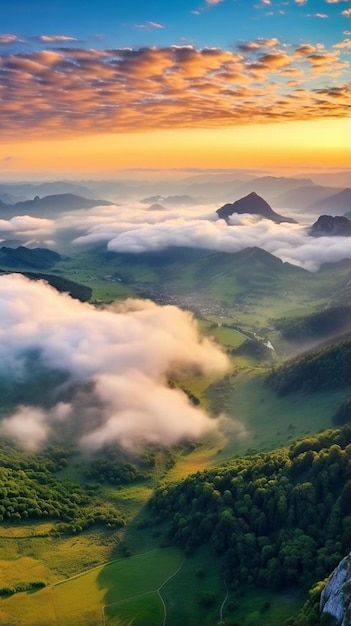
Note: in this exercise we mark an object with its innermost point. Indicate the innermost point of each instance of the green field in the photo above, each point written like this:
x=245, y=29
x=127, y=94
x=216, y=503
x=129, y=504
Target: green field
x=103, y=591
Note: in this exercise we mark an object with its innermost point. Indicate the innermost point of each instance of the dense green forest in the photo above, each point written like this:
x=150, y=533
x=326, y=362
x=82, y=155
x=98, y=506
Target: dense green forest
x=31, y=489
x=328, y=368
x=319, y=325
x=276, y=519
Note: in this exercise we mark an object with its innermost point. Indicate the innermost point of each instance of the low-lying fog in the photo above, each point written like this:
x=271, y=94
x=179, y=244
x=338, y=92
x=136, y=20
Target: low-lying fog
x=117, y=360
x=137, y=228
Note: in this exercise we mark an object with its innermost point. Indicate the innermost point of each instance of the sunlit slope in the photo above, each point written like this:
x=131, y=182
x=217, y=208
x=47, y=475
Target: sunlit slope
x=97, y=595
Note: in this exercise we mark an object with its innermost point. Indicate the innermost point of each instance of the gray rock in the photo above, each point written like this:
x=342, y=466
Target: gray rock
x=336, y=595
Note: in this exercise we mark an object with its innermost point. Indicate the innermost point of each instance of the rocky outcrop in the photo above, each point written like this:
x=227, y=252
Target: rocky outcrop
x=327, y=225
x=336, y=595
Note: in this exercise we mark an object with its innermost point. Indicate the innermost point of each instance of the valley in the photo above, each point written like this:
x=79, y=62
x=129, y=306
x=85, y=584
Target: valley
x=113, y=555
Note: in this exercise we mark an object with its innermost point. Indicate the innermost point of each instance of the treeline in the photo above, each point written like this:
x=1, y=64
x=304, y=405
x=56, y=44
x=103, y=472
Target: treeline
x=5, y=592
x=31, y=490
x=329, y=368
x=320, y=325
x=276, y=519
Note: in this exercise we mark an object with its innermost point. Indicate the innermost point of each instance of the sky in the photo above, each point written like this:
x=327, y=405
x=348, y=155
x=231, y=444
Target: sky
x=162, y=84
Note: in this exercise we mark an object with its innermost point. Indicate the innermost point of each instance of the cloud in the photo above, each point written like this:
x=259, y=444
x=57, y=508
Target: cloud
x=289, y=242
x=116, y=364
x=76, y=90
x=135, y=228
x=28, y=228
x=55, y=38
x=27, y=426
x=8, y=38
x=346, y=44
x=322, y=16
x=149, y=26
x=346, y=13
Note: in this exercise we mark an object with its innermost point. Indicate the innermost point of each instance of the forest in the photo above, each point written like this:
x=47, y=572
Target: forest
x=277, y=520
x=31, y=489
x=328, y=368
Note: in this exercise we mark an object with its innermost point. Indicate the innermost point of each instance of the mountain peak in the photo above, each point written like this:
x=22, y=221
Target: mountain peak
x=254, y=205
x=328, y=225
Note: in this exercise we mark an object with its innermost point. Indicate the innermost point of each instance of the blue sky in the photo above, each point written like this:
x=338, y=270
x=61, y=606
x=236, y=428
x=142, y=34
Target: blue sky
x=165, y=22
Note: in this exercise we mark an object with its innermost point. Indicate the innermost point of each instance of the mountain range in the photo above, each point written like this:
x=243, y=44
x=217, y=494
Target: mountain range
x=43, y=207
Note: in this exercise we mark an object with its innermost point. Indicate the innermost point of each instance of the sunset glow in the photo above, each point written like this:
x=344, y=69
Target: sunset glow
x=73, y=101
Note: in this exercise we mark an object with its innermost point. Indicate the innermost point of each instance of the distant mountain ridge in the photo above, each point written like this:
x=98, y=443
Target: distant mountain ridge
x=336, y=204
x=304, y=197
x=252, y=204
x=39, y=207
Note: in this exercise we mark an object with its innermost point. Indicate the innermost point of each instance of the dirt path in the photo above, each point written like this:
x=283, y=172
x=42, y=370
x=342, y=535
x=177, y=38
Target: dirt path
x=158, y=591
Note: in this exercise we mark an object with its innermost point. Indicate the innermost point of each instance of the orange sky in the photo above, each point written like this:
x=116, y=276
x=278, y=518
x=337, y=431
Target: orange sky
x=324, y=143
x=267, y=105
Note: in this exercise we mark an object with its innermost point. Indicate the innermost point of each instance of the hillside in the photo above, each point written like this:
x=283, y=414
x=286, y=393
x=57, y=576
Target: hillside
x=276, y=520
x=329, y=368
x=330, y=322
x=22, y=257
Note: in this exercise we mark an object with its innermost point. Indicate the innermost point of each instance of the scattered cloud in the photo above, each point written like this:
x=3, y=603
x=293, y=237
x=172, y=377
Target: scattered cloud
x=346, y=13
x=55, y=38
x=9, y=39
x=343, y=44
x=149, y=26
x=322, y=16
x=117, y=362
x=74, y=90
x=301, y=2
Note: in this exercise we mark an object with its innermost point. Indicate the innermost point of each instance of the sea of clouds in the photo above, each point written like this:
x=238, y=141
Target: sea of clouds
x=136, y=228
